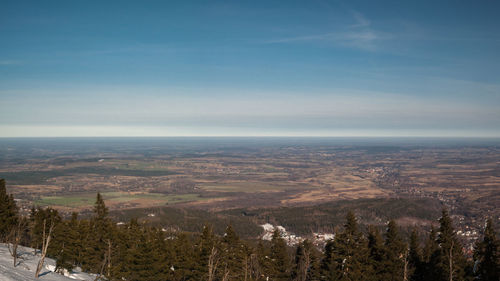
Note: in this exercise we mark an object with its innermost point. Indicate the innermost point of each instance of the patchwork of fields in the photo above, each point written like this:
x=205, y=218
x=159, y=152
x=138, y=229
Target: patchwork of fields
x=225, y=174
x=117, y=200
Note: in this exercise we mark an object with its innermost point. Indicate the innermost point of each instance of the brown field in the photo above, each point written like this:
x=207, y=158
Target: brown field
x=466, y=179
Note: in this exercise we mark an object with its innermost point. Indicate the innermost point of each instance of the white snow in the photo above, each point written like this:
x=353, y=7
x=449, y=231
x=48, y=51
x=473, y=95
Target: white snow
x=268, y=227
x=292, y=239
x=26, y=267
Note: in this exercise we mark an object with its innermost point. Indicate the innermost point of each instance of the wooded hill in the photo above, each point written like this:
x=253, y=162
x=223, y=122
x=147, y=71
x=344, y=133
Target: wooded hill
x=135, y=251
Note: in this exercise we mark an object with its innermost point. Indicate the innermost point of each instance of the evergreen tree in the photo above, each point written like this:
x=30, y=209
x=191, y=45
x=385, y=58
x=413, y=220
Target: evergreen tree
x=431, y=246
x=185, y=260
x=142, y=261
x=209, y=255
x=264, y=260
x=415, y=263
x=66, y=243
x=73, y=240
x=99, y=234
x=487, y=255
x=250, y=263
x=450, y=262
x=42, y=218
x=280, y=260
x=394, y=254
x=232, y=256
x=163, y=253
x=376, y=253
x=306, y=265
x=124, y=241
x=8, y=212
x=430, y=255
x=329, y=263
x=121, y=245
x=346, y=257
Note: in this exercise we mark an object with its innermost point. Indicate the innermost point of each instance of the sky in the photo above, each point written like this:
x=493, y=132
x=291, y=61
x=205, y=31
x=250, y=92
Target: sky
x=250, y=68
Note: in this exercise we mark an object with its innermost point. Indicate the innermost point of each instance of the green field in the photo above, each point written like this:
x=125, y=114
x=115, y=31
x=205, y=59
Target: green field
x=253, y=187
x=88, y=199
x=247, y=187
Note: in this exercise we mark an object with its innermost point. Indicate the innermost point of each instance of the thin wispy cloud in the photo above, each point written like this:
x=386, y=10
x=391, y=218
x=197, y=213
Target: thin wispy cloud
x=359, y=35
x=361, y=20
x=301, y=68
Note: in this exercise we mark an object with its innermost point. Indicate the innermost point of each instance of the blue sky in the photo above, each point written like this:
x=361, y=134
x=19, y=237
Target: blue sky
x=249, y=68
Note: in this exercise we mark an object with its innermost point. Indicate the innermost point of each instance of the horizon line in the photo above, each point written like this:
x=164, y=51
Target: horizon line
x=261, y=136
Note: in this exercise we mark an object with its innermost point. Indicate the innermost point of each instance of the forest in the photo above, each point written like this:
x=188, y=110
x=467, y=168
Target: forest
x=139, y=251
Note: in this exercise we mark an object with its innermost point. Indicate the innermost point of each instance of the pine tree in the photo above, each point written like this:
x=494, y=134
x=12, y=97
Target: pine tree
x=42, y=218
x=163, y=253
x=450, y=262
x=394, y=254
x=124, y=241
x=415, y=262
x=430, y=256
x=84, y=234
x=346, y=257
x=100, y=218
x=66, y=244
x=99, y=234
x=121, y=246
x=73, y=239
x=487, y=255
x=185, y=260
x=376, y=254
x=250, y=263
x=141, y=260
x=280, y=260
x=264, y=260
x=8, y=212
x=232, y=256
x=61, y=247
x=209, y=255
x=306, y=265
x=431, y=245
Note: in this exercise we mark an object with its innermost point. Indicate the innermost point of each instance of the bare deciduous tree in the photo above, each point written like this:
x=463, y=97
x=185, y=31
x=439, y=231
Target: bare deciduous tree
x=14, y=239
x=108, y=254
x=226, y=274
x=106, y=261
x=303, y=267
x=213, y=261
x=45, y=245
x=405, y=269
x=451, y=260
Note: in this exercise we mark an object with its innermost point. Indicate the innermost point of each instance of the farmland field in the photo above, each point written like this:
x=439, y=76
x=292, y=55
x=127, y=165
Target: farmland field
x=218, y=174
x=115, y=199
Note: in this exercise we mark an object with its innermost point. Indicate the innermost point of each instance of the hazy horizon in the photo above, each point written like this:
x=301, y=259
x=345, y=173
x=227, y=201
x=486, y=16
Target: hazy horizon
x=259, y=69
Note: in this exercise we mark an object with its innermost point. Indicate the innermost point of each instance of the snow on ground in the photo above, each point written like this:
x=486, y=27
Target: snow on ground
x=318, y=239
x=26, y=267
x=290, y=239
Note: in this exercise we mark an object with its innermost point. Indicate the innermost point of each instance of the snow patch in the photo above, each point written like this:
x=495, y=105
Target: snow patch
x=26, y=267
x=318, y=239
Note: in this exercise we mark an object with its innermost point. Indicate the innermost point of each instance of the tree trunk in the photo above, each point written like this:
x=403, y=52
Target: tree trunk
x=226, y=275
x=212, y=264
x=109, y=258
x=14, y=239
x=405, y=270
x=45, y=246
x=451, y=261
x=246, y=267
x=304, y=266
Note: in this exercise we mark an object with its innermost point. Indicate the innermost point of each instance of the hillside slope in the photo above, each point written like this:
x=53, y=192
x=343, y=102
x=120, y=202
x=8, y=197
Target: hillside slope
x=26, y=267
